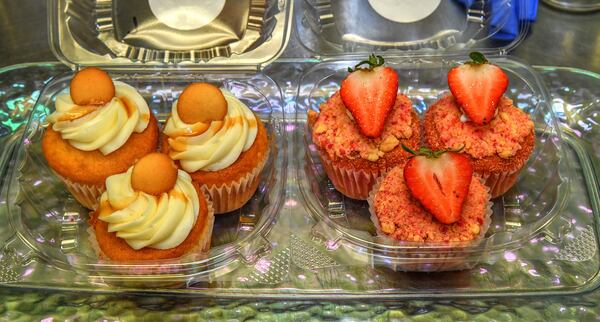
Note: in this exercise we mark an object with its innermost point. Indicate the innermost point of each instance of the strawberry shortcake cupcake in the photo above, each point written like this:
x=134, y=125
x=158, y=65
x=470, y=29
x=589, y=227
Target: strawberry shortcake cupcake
x=476, y=118
x=434, y=199
x=360, y=130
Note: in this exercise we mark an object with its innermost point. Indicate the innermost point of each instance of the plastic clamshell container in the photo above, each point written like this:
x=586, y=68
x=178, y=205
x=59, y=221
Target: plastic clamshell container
x=321, y=245
x=561, y=259
x=50, y=221
x=112, y=33
x=575, y=5
x=538, y=196
x=125, y=41
x=422, y=44
x=335, y=27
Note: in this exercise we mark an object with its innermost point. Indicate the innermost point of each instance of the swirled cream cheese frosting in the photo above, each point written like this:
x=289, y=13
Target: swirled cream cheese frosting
x=145, y=220
x=105, y=128
x=214, y=145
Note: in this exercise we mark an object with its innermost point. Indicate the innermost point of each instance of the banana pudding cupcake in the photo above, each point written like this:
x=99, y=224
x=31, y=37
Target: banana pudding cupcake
x=98, y=129
x=219, y=141
x=152, y=211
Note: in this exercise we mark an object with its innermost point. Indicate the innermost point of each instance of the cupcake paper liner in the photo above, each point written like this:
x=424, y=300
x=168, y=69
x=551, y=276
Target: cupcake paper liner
x=202, y=246
x=233, y=195
x=448, y=259
x=86, y=195
x=500, y=183
x=354, y=184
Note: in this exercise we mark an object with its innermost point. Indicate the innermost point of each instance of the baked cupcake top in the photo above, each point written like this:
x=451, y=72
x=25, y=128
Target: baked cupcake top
x=366, y=118
x=209, y=136
x=402, y=217
x=503, y=135
x=94, y=117
x=336, y=132
x=151, y=205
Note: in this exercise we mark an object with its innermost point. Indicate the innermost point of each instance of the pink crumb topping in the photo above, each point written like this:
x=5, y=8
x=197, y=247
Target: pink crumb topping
x=336, y=132
x=402, y=217
x=502, y=136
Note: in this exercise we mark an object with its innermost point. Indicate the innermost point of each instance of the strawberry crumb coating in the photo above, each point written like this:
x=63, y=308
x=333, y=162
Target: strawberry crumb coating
x=335, y=132
x=403, y=218
x=504, y=136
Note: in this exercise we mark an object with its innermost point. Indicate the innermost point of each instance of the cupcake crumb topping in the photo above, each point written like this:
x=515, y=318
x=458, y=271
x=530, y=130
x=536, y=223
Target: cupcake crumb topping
x=336, y=132
x=503, y=136
x=403, y=218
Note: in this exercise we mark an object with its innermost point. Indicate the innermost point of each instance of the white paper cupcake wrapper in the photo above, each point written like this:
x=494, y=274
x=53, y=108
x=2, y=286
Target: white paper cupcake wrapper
x=199, y=251
x=354, y=184
x=231, y=196
x=407, y=260
x=86, y=195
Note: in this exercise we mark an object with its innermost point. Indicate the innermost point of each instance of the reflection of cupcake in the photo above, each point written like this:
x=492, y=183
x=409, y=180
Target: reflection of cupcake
x=220, y=142
x=496, y=135
x=97, y=130
x=435, y=199
x=152, y=211
x=359, y=131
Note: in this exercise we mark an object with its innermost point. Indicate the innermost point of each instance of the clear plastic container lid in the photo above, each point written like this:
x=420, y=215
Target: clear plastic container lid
x=575, y=5
x=215, y=34
x=330, y=27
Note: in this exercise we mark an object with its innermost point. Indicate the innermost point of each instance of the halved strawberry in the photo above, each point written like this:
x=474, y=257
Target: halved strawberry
x=478, y=86
x=369, y=94
x=440, y=180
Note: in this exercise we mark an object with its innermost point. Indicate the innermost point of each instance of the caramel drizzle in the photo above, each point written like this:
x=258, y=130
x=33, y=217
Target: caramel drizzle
x=181, y=145
x=193, y=130
x=78, y=112
x=129, y=106
x=105, y=209
x=200, y=127
x=176, y=194
x=177, y=146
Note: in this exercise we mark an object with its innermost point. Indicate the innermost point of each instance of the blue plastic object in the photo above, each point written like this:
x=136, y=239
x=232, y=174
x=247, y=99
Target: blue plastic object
x=521, y=10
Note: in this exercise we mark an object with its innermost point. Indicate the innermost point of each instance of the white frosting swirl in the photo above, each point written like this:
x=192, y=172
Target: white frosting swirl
x=144, y=220
x=105, y=128
x=212, y=146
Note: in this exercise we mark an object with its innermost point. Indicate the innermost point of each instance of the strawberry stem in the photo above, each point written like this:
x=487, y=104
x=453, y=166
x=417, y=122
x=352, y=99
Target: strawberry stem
x=372, y=62
x=409, y=150
x=426, y=152
x=477, y=58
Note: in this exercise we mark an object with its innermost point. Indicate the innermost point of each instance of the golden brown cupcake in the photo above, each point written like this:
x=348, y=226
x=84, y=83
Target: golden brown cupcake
x=98, y=129
x=152, y=211
x=220, y=142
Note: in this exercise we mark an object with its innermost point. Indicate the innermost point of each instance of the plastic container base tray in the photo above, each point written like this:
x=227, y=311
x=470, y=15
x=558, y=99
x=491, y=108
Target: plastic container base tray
x=297, y=259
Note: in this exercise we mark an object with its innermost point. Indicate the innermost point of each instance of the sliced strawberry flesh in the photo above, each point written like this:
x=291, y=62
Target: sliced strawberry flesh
x=369, y=95
x=440, y=184
x=478, y=89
